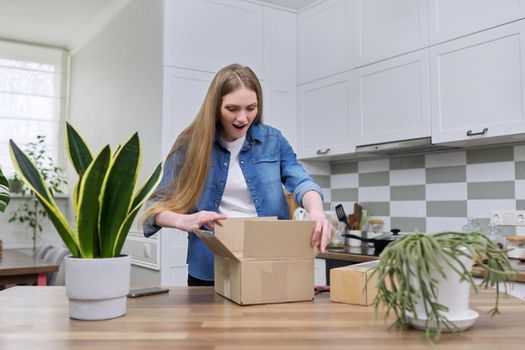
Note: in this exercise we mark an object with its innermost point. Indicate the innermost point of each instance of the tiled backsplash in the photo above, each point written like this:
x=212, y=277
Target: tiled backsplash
x=433, y=192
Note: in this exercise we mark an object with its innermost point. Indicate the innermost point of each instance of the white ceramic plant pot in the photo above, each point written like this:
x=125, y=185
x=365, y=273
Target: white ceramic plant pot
x=452, y=293
x=97, y=288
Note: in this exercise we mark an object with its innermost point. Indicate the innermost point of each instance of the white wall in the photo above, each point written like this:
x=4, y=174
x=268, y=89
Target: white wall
x=116, y=89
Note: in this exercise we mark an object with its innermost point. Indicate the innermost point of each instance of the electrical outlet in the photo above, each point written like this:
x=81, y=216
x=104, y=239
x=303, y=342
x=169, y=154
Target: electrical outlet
x=508, y=217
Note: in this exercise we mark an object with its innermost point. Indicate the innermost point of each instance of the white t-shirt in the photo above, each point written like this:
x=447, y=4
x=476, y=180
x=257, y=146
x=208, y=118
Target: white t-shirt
x=237, y=200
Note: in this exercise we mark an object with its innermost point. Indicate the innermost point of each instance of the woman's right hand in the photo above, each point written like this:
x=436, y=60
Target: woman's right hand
x=188, y=222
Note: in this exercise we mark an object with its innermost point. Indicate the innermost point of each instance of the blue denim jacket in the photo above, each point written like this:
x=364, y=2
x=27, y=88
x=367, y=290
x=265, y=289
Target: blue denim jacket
x=267, y=162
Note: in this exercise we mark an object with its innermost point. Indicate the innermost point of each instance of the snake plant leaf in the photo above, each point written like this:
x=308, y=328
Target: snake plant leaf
x=89, y=206
x=147, y=188
x=143, y=194
x=117, y=193
x=78, y=151
x=32, y=178
x=4, y=192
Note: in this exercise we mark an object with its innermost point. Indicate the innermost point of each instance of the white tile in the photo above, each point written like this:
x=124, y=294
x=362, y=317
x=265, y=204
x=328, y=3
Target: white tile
x=416, y=209
x=445, y=224
x=446, y=192
x=519, y=189
x=519, y=152
x=407, y=177
x=316, y=168
x=370, y=166
x=446, y=159
x=374, y=194
x=347, y=206
x=327, y=195
x=496, y=171
x=344, y=180
x=481, y=208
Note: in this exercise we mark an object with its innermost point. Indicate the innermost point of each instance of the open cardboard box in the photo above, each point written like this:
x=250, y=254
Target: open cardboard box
x=262, y=260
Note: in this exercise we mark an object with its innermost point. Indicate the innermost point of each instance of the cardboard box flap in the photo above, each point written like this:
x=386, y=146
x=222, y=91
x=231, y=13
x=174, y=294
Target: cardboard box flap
x=231, y=233
x=215, y=244
x=284, y=239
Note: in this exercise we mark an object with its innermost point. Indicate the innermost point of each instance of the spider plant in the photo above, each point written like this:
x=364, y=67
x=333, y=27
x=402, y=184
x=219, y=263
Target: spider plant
x=105, y=197
x=409, y=269
x=4, y=192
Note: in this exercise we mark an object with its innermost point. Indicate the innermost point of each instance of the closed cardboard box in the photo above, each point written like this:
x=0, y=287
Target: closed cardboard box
x=262, y=260
x=348, y=284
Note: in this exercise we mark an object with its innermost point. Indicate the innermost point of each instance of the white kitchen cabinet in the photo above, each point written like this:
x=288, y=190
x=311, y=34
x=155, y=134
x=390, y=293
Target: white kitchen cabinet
x=325, y=116
x=207, y=35
x=280, y=46
x=280, y=109
x=451, y=19
x=386, y=28
x=325, y=39
x=477, y=85
x=393, y=99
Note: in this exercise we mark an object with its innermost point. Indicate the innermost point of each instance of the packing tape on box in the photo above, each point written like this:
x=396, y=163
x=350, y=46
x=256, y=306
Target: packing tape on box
x=226, y=277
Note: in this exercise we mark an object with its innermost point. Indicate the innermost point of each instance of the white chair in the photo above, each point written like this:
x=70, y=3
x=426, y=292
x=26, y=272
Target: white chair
x=42, y=250
x=56, y=256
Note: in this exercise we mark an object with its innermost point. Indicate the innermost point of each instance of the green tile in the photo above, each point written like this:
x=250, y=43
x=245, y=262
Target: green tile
x=446, y=174
x=344, y=195
x=343, y=168
x=520, y=170
x=413, y=162
x=490, y=190
x=501, y=154
x=377, y=208
x=446, y=208
x=505, y=230
x=407, y=193
x=381, y=178
x=409, y=224
x=327, y=206
x=322, y=180
x=520, y=204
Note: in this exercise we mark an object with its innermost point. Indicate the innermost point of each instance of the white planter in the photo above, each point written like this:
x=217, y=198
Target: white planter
x=97, y=288
x=452, y=293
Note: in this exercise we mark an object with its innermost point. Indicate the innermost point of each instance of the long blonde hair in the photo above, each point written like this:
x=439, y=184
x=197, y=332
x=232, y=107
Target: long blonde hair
x=195, y=143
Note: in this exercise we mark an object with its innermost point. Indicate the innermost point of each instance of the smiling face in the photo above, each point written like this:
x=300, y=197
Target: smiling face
x=238, y=110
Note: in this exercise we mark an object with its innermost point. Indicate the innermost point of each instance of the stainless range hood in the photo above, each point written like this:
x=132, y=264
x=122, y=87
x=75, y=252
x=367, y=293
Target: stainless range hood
x=404, y=147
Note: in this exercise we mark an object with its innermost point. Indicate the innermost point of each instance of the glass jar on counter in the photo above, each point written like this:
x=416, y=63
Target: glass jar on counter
x=516, y=246
x=375, y=228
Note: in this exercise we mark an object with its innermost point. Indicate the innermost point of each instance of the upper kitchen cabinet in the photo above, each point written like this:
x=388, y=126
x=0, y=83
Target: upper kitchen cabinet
x=325, y=39
x=325, y=112
x=280, y=46
x=280, y=109
x=207, y=35
x=393, y=99
x=451, y=19
x=477, y=85
x=386, y=28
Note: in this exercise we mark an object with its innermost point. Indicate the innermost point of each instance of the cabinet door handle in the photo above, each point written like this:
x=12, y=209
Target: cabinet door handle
x=483, y=132
x=323, y=152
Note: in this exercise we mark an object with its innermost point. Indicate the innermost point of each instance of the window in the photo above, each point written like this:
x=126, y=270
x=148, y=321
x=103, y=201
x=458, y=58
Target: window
x=33, y=82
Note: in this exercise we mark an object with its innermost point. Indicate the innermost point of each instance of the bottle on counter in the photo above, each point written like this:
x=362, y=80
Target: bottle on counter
x=471, y=225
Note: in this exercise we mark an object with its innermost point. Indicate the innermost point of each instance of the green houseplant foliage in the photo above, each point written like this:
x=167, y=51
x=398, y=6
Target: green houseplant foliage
x=413, y=258
x=4, y=192
x=105, y=197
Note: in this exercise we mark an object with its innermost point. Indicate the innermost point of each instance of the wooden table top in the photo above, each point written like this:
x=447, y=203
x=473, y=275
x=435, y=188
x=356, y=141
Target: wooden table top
x=197, y=318
x=20, y=262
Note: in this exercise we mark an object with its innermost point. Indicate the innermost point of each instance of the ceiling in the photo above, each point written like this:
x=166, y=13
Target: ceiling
x=66, y=23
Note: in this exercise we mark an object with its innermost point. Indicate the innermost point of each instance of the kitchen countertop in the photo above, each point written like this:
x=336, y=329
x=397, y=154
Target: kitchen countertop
x=197, y=318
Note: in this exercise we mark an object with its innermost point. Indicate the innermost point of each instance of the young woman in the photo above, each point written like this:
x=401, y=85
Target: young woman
x=226, y=163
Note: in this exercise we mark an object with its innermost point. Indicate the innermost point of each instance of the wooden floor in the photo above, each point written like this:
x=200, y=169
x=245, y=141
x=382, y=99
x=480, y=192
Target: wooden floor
x=197, y=318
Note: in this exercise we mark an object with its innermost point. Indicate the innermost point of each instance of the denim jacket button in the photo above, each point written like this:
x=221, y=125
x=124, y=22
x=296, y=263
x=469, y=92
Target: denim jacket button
x=225, y=164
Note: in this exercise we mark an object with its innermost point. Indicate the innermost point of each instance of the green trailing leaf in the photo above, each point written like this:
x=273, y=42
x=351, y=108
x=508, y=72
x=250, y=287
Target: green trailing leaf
x=4, y=192
x=32, y=178
x=117, y=192
x=89, y=206
x=408, y=267
x=78, y=151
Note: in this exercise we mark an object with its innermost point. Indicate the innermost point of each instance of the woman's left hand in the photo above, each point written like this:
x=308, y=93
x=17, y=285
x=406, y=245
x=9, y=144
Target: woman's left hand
x=322, y=232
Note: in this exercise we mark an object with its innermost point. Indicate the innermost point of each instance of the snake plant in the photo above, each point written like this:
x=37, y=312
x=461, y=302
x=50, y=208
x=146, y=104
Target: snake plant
x=408, y=269
x=4, y=192
x=105, y=197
